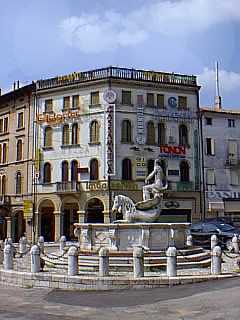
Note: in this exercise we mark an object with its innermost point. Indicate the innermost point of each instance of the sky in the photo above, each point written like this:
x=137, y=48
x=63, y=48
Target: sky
x=42, y=39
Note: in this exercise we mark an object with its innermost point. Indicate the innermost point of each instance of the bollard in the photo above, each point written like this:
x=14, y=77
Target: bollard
x=214, y=241
x=35, y=259
x=171, y=262
x=72, y=261
x=103, y=262
x=189, y=242
x=62, y=244
x=23, y=245
x=216, y=261
x=138, y=262
x=41, y=244
x=8, y=257
x=235, y=244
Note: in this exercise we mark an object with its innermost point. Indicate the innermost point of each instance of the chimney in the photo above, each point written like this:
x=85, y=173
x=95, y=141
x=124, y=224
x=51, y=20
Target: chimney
x=218, y=98
x=14, y=86
x=18, y=84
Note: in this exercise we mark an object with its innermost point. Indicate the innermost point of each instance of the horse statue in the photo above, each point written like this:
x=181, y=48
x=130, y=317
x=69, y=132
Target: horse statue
x=131, y=212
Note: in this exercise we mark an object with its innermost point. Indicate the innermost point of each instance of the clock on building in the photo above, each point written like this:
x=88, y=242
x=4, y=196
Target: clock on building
x=172, y=102
x=109, y=96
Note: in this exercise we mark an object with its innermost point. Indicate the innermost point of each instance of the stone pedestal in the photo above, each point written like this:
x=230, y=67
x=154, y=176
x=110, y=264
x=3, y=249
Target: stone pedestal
x=81, y=216
x=106, y=216
x=9, y=227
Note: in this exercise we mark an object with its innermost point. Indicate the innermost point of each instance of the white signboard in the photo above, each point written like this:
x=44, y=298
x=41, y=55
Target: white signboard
x=222, y=194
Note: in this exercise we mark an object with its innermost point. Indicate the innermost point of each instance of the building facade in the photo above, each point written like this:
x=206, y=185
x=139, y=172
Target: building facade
x=98, y=134
x=221, y=151
x=16, y=133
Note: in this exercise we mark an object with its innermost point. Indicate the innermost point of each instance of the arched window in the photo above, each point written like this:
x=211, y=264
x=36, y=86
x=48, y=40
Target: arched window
x=126, y=134
x=4, y=153
x=75, y=133
x=65, y=135
x=64, y=171
x=48, y=137
x=183, y=135
x=151, y=133
x=47, y=173
x=161, y=134
x=74, y=170
x=184, y=171
x=4, y=185
x=126, y=169
x=18, y=183
x=94, y=132
x=19, y=150
x=94, y=169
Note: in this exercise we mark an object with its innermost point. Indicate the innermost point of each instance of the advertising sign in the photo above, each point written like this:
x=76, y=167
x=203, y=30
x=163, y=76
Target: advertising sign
x=173, y=150
x=110, y=139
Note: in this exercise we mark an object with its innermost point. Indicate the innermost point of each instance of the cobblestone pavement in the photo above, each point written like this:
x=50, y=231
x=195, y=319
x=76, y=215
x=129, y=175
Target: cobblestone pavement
x=217, y=300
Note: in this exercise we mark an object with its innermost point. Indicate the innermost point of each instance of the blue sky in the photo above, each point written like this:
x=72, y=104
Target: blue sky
x=41, y=39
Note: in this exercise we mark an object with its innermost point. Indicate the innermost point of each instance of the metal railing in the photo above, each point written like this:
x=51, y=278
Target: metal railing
x=118, y=73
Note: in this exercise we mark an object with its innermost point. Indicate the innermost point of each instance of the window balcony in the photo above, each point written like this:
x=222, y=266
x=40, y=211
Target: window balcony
x=185, y=186
x=232, y=163
x=69, y=186
x=5, y=200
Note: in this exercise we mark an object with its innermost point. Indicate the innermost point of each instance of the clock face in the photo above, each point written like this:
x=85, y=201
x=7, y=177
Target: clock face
x=172, y=101
x=109, y=96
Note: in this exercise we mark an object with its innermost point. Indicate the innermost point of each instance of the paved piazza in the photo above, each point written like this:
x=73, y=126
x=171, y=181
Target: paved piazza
x=217, y=300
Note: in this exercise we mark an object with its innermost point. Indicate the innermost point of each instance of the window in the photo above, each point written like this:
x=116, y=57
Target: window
x=75, y=102
x=208, y=121
x=232, y=150
x=160, y=101
x=151, y=133
x=75, y=133
x=20, y=118
x=94, y=174
x=126, y=97
x=47, y=173
x=65, y=135
x=161, y=134
x=4, y=153
x=126, y=169
x=48, y=137
x=1, y=125
x=184, y=171
x=64, y=171
x=74, y=170
x=95, y=98
x=150, y=168
x=182, y=102
x=234, y=177
x=210, y=147
x=18, y=183
x=19, y=150
x=5, y=125
x=66, y=103
x=48, y=105
x=0, y=153
x=210, y=173
x=126, y=134
x=4, y=185
x=183, y=135
x=231, y=123
x=94, y=132
x=150, y=99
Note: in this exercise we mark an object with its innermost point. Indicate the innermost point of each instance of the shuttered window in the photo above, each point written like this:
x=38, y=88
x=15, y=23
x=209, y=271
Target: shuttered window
x=232, y=149
x=210, y=176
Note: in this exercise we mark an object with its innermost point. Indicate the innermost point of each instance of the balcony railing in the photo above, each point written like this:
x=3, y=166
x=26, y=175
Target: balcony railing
x=185, y=186
x=71, y=186
x=118, y=73
x=5, y=200
x=232, y=163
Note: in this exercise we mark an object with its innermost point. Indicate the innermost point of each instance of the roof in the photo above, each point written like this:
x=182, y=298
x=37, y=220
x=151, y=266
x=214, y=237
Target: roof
x=17, y=93
x=222, y=111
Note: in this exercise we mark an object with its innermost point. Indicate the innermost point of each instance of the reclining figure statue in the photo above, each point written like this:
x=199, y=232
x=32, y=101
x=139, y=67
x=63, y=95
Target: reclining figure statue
x=147, y=210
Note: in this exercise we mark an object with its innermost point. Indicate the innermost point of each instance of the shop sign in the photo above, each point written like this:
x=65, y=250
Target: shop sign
x=141, y=168
x=222, y=194
x=27, y=208
x=55, y=118
x=174, y=115
x=173, y=150
x=110, y=141
x=114, y=185
x=172, y=204
x=140, y=125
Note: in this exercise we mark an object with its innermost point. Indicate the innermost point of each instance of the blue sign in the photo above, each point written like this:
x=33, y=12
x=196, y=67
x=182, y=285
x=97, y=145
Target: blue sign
x=172, y=101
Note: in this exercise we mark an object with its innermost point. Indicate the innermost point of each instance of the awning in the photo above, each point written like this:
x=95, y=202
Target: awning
x=215, y=205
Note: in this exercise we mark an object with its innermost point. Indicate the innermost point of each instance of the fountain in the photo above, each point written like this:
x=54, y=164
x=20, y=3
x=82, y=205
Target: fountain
x=139, y=226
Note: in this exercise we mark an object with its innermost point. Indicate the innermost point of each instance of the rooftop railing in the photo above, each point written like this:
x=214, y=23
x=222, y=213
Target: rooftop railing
x=118, y=73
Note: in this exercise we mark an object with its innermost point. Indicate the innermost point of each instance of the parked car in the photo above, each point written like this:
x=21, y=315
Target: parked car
x=202, y=232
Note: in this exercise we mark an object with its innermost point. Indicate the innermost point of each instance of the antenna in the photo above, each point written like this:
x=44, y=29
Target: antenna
x=218, y=99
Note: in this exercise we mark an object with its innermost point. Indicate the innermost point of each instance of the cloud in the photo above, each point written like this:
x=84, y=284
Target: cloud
x=94, y=33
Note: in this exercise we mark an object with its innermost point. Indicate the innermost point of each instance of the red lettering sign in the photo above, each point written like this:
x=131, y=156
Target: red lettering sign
x=175, y=150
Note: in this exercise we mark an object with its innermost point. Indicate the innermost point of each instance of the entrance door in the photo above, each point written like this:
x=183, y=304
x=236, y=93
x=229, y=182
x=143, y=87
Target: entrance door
x=47, y=225
x=94, y=211
x=66, y=223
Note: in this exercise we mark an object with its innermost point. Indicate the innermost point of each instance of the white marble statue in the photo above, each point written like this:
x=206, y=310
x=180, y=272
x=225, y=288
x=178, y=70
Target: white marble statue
x=147, y=210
